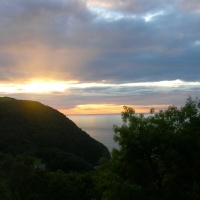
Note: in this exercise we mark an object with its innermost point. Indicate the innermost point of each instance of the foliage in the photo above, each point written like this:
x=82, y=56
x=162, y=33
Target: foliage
x=158, y=156
x=28, y=127
x=37, y=141
x=57, y=159
x=21, y=179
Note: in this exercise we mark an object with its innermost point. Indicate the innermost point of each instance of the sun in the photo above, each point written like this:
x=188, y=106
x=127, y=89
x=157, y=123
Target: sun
x=44, y=87
x=36, y=86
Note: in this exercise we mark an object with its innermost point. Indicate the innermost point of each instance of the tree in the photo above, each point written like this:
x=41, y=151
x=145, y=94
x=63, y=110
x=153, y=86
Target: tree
x=22, y=179
x=158, y=156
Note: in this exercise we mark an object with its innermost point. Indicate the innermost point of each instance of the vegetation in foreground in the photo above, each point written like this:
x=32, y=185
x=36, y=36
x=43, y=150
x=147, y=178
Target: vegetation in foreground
x=158, y=159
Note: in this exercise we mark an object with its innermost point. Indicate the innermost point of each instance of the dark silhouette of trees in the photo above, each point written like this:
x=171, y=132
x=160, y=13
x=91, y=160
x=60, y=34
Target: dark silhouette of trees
x=158, y=156
x=31, y=128
x=21, y=178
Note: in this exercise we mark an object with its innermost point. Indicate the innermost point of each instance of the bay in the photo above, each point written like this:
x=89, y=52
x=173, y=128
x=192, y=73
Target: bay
x=99, y=127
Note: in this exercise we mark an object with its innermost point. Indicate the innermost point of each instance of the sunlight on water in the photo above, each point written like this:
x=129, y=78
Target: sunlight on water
x=100, y=127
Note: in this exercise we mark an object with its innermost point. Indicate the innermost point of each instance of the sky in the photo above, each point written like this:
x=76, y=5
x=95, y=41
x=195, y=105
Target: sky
x=95, y=56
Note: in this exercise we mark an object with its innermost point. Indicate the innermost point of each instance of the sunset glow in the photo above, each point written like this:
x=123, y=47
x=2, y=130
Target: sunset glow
x=93, y=56
x=35, y=87
x=110, y=109
x=56, y=86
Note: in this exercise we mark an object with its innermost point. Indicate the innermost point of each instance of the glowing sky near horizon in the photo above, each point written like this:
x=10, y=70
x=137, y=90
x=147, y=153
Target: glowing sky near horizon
x=62, y=87
x=92, y=56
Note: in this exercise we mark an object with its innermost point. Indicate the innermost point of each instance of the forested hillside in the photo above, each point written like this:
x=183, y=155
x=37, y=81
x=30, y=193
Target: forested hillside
x=157, y=159
x=31, y=128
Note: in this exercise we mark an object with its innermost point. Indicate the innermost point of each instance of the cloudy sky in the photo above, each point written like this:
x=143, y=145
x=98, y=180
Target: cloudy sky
x=94, y=56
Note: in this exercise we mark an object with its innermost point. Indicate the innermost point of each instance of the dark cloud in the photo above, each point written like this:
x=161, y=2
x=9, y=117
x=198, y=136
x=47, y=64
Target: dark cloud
x=6, y=60
x=70, y=40
x=186, y=6
x=33, y=20
x=128, y=49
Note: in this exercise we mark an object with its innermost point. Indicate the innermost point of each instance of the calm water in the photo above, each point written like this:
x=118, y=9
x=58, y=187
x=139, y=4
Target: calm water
x=100, y=127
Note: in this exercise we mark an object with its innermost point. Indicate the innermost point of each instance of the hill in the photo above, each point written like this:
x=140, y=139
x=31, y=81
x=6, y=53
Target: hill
x=31, y=128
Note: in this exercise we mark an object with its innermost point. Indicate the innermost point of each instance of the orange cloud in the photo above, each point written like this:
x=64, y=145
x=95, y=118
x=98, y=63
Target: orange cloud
x=109, y=109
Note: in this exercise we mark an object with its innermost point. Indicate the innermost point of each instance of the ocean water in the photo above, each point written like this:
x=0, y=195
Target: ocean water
x=100, y=127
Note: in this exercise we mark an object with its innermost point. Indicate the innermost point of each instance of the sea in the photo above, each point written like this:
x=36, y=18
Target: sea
x=99, y=127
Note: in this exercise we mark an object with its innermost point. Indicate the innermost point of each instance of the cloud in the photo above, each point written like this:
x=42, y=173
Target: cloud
x=66, y=40
x=107, y=41
x=133, y=6
x=140, y=7
x=71, y=97
x=192, y=6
